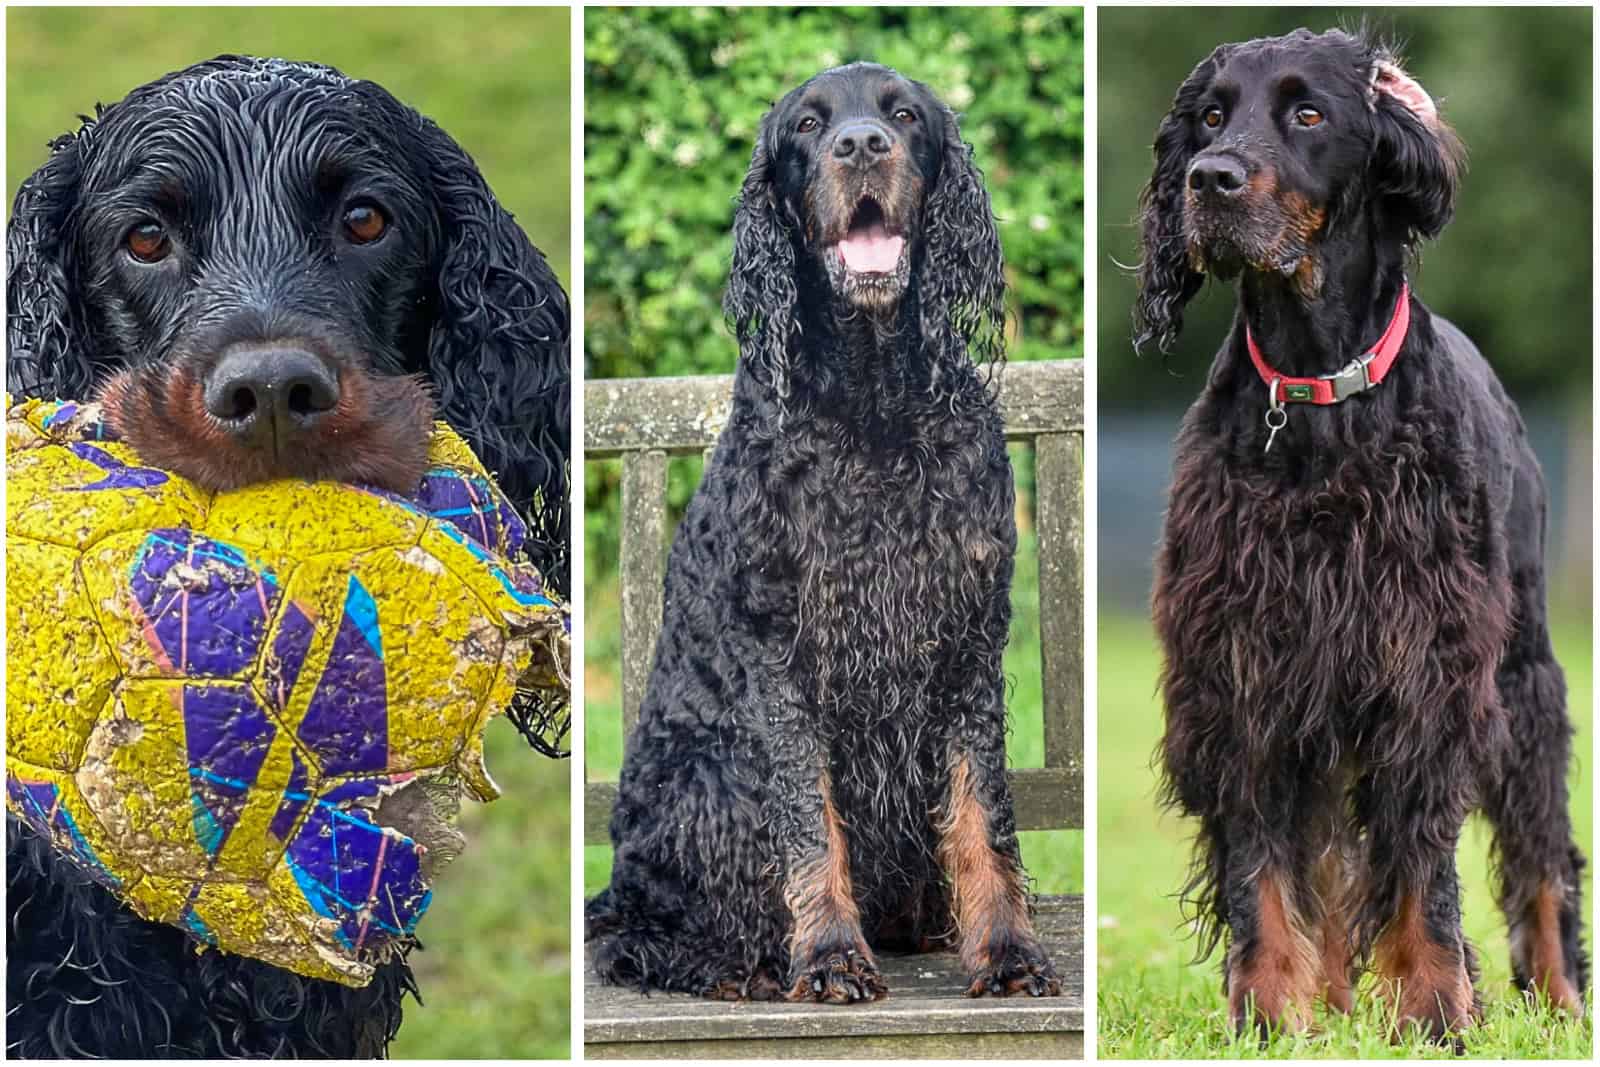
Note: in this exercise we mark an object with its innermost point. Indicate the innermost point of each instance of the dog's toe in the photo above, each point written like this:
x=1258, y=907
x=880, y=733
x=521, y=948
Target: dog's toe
x=1018, y=969
x=843, y=977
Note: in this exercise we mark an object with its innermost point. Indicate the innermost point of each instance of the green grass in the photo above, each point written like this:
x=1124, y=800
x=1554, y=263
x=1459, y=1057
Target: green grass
x=496, y=969
x=495, y=972
x=1054, y=858
x=1154, y=1003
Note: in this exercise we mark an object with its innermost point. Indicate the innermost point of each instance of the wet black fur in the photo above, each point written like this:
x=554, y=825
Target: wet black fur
x=837, y=596
x=1354, y=623
x=459, y=297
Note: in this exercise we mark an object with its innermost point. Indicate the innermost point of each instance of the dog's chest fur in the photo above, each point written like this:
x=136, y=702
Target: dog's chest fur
x=1358, y=585
x=894, y=546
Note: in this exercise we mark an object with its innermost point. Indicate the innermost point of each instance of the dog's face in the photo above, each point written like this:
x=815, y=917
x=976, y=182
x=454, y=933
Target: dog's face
x=1275, y=148
x=1279, y=132
x=257, y=245
x=856, y=150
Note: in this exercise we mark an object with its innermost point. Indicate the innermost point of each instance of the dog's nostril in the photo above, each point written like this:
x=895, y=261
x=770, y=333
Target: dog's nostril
x=242, y=404
x=878, y=143
x=301, y=399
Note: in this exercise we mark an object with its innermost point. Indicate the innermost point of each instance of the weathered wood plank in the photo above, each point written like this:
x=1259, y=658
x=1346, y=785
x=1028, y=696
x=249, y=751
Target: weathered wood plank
x=1058, y=467
x=926, y=1003
x=598, y=800
x=643, y=567
x=957, y=1046
x=1045, y=798
x=684, y=415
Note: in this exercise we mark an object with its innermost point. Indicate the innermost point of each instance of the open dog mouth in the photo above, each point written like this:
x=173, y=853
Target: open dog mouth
x=868, y=247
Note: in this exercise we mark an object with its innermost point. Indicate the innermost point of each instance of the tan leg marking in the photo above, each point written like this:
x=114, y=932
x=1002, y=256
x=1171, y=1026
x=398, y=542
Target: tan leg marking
x=1425, y=981
x=1283, y=974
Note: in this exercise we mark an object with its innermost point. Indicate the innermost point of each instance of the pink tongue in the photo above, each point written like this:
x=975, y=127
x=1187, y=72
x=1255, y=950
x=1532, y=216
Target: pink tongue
x=871, y=250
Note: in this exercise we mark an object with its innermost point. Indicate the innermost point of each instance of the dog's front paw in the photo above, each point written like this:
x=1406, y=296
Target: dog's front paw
x=838, y=976
x=1015, y=968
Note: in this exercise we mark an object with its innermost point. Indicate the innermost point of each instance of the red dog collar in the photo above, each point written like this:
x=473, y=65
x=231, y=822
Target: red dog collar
x=1359, y=375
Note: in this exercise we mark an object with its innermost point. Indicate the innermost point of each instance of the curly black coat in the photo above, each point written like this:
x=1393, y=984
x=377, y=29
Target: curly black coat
x=1356, y=652
x=819, y=765
x=263, y=214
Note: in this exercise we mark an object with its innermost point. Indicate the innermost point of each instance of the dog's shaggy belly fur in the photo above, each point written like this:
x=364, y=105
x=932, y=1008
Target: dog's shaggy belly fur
x=852, y=585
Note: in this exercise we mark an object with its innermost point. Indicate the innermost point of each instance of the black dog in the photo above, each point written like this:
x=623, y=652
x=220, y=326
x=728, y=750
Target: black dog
x=819, y=766
x=266, y=269
x=1350, y=591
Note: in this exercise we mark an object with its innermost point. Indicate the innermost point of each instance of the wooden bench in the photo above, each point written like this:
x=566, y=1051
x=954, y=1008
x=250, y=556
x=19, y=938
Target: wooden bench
x=643, y=422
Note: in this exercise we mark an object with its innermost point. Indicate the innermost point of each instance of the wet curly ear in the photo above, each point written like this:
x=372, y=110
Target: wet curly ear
x=962, y=283
x=498, y=352
x=1167, y=280
x=762, y=295
x=1417, y=158
x=44, y=353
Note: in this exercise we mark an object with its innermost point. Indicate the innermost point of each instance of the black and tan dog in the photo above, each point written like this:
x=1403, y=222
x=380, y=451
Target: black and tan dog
x=1350, y=591
x=819, y=765
x=267, y=269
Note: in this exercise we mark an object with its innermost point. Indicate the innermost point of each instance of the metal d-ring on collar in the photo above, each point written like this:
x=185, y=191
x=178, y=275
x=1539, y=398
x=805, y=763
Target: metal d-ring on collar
x=1274, y=407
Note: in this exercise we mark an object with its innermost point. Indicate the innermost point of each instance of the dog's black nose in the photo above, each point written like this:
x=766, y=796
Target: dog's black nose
x=1217, y=174
x=861, y=143
x=270, y=393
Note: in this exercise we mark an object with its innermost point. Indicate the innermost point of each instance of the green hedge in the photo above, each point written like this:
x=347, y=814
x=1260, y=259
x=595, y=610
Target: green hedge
x=674, y=96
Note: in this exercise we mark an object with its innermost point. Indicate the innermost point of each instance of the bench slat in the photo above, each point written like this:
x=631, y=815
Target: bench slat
x=683, y=416
x=1058, y=467
x=643, y=566
x=1045, y=798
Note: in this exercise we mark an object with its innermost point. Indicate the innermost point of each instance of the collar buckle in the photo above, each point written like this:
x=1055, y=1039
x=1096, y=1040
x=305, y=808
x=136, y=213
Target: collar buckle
x=1354, y=377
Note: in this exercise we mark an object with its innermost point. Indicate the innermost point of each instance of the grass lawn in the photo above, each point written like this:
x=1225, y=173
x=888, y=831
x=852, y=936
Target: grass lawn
x=495, y=967
x=1054, y=858
x=1155, y=1004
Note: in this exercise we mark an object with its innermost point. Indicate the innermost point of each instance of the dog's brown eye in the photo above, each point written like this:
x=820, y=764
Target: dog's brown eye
x=807, y=124
x=1308, y=116
x=148, y=243
x=905, y=115
x=1212, y=117
x=364, y=224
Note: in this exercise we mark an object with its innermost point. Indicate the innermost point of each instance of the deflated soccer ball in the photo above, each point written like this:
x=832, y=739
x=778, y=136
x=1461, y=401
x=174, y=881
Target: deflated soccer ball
x=253, y=714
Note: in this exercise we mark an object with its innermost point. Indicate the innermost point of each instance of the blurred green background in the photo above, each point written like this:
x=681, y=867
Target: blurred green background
x=1514, y=271
x=495, y=969
x=673, y=97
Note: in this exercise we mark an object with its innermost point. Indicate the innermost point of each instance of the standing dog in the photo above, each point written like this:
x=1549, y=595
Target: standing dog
x=1350, y=591
x=819, y=765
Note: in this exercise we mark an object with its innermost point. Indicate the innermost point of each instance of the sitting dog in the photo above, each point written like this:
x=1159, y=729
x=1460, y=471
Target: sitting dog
x=819, y=765
x=1350, y=589
x=265, y=269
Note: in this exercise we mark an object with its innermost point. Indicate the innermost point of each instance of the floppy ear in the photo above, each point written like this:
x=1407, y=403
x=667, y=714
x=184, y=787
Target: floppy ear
x=44, y=353
x=1416, y=158
x=498, y=354
x=1167, y=281
x=760, y=302
x=962, y=285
